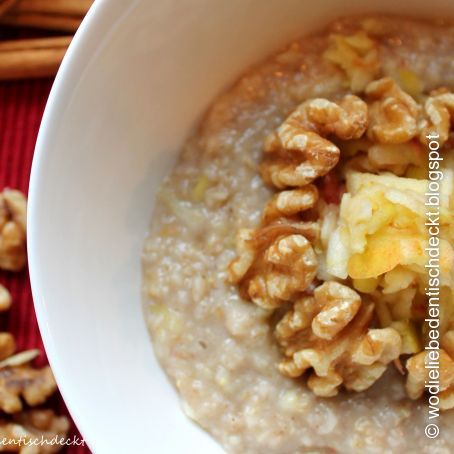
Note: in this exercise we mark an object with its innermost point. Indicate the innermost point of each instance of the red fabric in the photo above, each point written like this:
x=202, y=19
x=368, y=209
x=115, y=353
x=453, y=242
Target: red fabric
x=21, y=108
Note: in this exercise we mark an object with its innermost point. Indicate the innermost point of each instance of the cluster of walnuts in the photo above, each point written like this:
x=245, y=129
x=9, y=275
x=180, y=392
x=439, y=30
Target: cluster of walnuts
x=22, y=386
x=328, y=330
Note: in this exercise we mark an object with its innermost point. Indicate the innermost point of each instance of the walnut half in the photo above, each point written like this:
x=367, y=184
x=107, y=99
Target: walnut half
x=13, y=230
x=418, y=374
x=393, y=113
x=328, y=333
x=437, y=118
x=34, y=385
x=5, y=299
x=275, y=262
x=298, y=152
x=28, y=432
x=290, y=203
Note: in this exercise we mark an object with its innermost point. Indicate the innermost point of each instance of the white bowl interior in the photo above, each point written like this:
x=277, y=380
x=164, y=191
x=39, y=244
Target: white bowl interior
x=134, y=82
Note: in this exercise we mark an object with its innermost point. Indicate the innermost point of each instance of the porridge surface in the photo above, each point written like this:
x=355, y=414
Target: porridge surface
x=218, y=349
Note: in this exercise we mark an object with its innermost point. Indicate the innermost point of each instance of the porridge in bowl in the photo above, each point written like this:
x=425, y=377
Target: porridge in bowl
x=287, y=274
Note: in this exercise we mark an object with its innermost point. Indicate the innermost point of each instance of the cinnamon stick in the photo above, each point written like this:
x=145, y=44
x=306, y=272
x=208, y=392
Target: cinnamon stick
x=6, y=5
x=42, y=21
x=59, y=7
x=33, y=58
x=36, y=43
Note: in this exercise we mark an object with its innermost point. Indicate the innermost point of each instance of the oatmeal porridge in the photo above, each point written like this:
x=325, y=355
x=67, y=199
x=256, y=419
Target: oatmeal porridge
x=285, y=275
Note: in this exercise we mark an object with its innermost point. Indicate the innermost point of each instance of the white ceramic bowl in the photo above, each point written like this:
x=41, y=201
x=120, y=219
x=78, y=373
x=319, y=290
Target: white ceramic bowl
x=134, y=82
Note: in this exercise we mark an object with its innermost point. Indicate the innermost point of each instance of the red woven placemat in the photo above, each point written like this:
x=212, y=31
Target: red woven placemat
x=21, y=108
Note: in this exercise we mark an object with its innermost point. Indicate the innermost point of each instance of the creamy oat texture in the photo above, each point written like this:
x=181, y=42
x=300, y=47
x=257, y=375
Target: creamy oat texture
x=218, y=349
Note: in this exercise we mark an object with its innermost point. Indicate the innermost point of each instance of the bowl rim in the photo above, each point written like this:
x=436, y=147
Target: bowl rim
x=84, y=46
